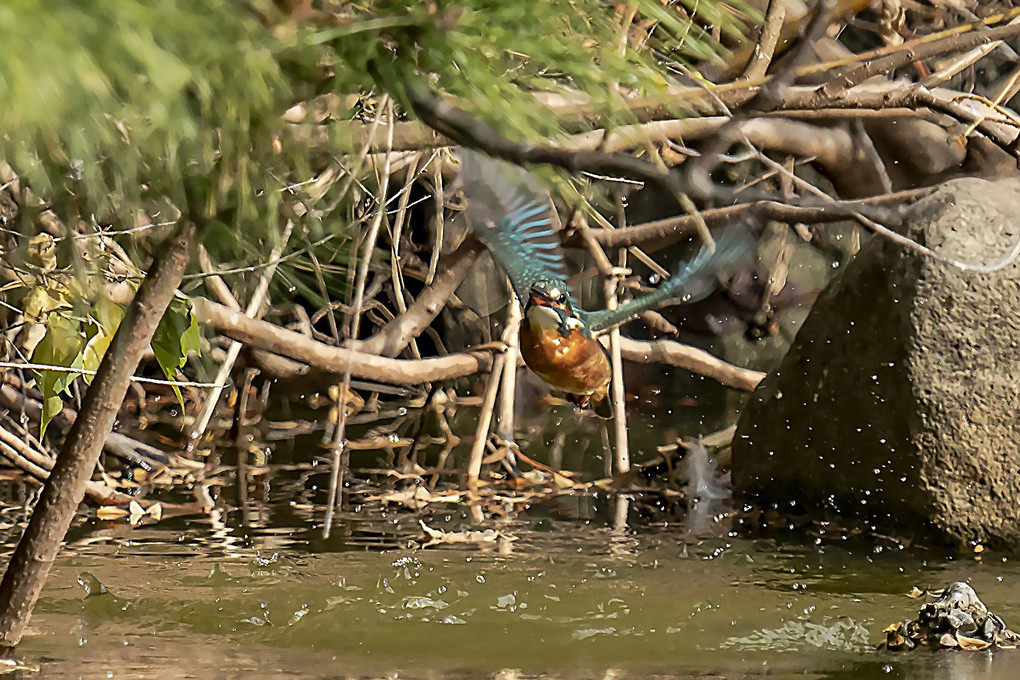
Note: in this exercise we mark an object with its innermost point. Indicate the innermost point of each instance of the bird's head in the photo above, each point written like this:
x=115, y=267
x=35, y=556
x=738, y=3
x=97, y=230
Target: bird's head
x=549, y=294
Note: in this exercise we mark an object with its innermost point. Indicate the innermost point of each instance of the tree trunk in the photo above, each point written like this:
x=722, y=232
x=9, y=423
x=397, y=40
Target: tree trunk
x=39, y=545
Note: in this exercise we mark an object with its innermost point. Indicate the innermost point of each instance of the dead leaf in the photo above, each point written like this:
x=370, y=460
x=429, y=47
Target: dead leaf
x=416, y=497
x=562, y=481
x=137, y=512
x=972, y=644
x=111, y=512
x=486, y=537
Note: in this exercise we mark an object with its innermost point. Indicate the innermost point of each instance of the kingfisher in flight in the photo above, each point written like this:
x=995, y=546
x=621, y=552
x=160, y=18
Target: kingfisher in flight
x=514, y=217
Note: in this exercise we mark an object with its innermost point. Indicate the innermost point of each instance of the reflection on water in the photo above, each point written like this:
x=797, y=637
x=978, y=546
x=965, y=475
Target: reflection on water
x=207, y=597
x=593, y=588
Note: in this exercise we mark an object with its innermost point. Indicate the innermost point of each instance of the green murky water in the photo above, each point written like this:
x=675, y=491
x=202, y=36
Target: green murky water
x=255, y=591
x=205, y=598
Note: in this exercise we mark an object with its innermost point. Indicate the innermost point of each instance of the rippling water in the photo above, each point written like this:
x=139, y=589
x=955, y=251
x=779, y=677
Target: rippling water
x=253, y=590
x=206, y=598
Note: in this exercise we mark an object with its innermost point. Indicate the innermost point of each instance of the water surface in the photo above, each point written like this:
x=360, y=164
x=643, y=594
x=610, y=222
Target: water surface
x=207, y=598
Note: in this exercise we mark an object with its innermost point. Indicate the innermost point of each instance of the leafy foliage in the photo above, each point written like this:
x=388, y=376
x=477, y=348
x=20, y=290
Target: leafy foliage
x=176, y=333
x=117, y=101
x=78, y=336
x=63, y=345
x=137, y=100
x=493, y=56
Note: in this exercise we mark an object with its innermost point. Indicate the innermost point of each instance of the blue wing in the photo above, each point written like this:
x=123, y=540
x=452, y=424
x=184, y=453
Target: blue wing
x=514, y=217
x=695, y=281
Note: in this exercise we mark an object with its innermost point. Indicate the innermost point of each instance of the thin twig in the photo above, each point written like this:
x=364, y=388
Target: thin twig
x=339, y=451
x=397, y=275
x=508, y=390
x=775, y=15
x=899, y=239
x=957, y=39
x=813, y=212
x=440, y=223
x=85, y=371
x=474, y=469
x=254, y=305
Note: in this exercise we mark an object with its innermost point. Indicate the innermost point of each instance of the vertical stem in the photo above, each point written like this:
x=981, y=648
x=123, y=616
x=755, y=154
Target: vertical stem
x=484, y=419
x=240, y=445
x=618, y=394
x=507, y=394
x=556, y=450
x=622, y=456
x=621, y=513
x=340, y=452
x=30, y=564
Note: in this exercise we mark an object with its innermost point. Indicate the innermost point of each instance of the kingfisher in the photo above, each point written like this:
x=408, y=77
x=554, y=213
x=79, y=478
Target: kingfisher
x=514, y=217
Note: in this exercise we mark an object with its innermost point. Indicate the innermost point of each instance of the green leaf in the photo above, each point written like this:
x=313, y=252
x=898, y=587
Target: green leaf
x=176, y=333
x=106, y=317
x=63, y=345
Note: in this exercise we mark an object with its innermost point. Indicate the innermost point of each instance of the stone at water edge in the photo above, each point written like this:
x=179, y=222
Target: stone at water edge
x=899, y=400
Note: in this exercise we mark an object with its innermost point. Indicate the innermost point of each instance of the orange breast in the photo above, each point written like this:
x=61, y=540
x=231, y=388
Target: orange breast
x=573, y=363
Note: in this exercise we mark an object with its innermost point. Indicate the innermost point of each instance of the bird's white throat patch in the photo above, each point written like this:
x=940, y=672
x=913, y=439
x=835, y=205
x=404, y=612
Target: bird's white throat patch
x=548, y=318
x=545, y=318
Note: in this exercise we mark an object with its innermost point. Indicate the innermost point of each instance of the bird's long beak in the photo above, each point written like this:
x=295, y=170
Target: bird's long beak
x=542, y=299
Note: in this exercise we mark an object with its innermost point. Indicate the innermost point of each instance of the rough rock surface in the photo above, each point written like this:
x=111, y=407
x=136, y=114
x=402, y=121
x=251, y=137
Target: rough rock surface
x=899, y=401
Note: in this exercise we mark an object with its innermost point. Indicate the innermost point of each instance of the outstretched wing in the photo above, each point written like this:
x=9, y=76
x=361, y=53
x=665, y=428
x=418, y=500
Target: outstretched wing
x=695, y=280
x=514, y=217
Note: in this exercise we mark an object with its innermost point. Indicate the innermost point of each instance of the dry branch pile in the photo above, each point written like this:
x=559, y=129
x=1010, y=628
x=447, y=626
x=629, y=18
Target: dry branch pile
x=838, y=112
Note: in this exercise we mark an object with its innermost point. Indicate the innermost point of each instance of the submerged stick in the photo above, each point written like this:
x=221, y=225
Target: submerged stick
x=30, y=564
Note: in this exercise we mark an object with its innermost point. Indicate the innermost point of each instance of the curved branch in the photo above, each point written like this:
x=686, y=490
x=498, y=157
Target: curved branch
x=399, y=332
x=465, y=129
x=693, y=359
x=266, y=336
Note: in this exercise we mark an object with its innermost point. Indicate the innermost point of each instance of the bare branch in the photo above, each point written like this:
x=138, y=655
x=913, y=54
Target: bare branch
x=657, y=234
x=696, y=360
x=266, y=336
x=468, y=131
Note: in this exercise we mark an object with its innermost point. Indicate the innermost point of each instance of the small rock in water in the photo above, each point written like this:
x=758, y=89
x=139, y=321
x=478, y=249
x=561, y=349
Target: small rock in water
x=957, y=618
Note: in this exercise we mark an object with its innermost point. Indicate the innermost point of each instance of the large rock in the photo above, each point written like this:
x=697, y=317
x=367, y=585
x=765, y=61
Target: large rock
x=898, y=402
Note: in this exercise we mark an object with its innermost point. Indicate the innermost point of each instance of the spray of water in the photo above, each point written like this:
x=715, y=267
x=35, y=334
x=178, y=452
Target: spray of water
x=707, y=489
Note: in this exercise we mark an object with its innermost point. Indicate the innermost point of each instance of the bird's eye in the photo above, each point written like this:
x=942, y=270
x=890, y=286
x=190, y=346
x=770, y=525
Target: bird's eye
x=562, y=299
